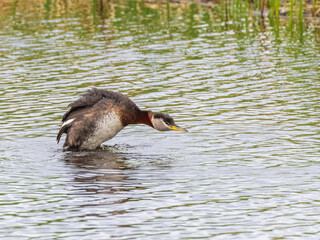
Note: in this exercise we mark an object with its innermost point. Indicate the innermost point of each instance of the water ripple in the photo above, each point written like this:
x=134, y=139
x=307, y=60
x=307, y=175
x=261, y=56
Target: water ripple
x=248, y=168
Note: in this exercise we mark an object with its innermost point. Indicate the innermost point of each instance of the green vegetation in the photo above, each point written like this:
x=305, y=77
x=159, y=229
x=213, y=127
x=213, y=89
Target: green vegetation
x=160, y=18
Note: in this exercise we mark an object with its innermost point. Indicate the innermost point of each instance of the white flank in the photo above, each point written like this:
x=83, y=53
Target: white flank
x=107, y=127
x=67, y=122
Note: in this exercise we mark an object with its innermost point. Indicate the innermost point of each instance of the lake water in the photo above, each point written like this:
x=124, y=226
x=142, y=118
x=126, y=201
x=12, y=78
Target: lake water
x=248, y=91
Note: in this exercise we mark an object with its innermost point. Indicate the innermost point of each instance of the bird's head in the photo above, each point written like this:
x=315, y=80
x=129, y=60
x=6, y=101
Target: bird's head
x=163, y=122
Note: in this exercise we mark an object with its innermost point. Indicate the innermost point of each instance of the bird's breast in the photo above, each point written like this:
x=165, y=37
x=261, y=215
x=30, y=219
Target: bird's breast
x=105, y=128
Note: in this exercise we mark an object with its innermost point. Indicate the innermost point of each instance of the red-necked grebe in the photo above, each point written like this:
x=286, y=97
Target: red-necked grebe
x=98, y=115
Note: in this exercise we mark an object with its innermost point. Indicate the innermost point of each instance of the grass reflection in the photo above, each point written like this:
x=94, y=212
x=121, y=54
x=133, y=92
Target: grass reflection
x=144, y=20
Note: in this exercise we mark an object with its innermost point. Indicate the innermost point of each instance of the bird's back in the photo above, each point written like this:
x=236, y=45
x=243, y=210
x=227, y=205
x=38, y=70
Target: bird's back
x=95, y=95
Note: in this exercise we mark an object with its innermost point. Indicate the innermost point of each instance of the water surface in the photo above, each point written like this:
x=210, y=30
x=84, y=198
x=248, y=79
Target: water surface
x=248, y=92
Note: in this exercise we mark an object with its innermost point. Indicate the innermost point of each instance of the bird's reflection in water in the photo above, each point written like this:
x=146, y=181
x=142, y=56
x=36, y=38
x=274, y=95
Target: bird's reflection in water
x=105, y=178
x=100, y=159
x=99, y=171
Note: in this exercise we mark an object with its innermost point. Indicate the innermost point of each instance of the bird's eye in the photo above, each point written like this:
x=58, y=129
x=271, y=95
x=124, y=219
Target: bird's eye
x=167, y=123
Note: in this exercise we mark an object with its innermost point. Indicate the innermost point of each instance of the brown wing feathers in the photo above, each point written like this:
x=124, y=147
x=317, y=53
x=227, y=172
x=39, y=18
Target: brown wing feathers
x=79, y=107
x=128, y=109
x=63, y=129
x=91, y=97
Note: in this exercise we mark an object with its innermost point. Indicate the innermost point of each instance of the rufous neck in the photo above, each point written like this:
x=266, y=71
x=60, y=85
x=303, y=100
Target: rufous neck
x=145, y=117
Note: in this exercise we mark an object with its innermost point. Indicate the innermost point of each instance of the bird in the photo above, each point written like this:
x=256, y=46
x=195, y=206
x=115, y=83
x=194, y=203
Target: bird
x=99, y=114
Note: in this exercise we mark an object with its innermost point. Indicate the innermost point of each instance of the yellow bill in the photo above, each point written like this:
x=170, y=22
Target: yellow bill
x=178, y=128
